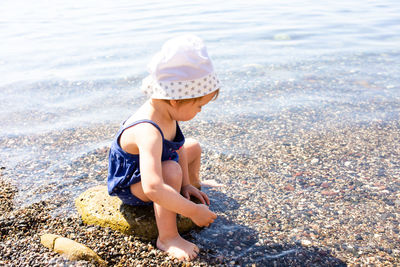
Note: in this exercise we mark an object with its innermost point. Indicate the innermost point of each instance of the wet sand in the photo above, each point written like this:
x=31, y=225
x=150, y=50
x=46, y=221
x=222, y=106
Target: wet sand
x=297, y=194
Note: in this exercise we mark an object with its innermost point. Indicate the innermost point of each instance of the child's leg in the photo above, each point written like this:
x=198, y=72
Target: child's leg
x=169, y=239
x=193, y=154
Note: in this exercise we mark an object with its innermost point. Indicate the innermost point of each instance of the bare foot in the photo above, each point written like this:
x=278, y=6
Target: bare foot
x=179, y=248
x=211, y=183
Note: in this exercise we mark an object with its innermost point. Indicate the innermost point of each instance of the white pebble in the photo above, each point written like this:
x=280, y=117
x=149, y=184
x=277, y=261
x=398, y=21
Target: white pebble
x=305, y=243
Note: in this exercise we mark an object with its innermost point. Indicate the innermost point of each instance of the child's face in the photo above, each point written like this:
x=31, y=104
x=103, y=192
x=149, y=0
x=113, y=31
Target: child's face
x=188, y=110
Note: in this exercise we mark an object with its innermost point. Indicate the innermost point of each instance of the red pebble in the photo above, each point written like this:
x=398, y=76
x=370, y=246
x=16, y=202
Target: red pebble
x=289, y=187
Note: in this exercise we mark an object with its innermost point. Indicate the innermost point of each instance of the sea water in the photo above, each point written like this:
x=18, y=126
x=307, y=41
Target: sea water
x=57, y=57
x=70, y=68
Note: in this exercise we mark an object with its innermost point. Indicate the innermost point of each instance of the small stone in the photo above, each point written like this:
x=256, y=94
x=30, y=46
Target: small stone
x=347, y=163
x=305, y=243
x=328, y=193
x=71, y=249
x=289, y=187
x=220, y=258
x=325, y=185
x=380, y=229
x=314, y=161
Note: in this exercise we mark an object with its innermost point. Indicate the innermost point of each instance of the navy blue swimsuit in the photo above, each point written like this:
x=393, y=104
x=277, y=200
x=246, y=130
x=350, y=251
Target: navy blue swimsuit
x=123, y=168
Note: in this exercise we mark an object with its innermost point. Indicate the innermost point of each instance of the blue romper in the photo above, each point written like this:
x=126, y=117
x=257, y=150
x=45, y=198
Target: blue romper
x=123, y=168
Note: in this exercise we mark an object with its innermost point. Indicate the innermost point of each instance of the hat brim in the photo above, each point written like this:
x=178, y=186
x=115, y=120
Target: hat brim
x=180, y=89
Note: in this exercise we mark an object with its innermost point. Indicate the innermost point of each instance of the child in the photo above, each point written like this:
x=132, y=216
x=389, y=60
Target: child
x=150, y=162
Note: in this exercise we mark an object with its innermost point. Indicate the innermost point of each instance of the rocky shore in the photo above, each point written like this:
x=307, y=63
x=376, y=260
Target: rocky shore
x=321, y=196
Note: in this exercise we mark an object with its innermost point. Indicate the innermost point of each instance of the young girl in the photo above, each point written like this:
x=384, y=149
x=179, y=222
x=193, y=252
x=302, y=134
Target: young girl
x=150, y=162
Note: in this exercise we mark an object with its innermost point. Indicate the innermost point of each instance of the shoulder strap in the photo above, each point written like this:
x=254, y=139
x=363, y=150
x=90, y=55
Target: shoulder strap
x=142, y=121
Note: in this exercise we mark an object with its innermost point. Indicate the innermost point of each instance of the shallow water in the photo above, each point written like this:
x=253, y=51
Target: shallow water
x=71, y=71
x=75, y=64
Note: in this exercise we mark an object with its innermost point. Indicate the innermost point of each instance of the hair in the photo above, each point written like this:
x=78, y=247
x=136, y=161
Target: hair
x=195, y=99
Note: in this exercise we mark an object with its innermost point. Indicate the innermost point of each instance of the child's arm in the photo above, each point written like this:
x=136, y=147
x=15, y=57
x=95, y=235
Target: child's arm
x=149, y=142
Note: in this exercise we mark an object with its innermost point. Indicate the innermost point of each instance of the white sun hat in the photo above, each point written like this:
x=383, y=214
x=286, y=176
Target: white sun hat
x=181, y=70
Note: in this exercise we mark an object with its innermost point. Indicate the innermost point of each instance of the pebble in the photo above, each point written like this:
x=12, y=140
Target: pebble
x=289, y=187
x=305, y=243
x=71, y=249
x=329, y=193
x=325, y=185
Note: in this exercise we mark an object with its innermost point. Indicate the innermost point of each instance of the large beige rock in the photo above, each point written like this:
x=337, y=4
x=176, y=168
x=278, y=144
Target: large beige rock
x=96, y=207
x=69, y=248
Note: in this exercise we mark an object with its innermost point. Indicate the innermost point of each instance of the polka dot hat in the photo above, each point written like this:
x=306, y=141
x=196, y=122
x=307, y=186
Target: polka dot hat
x=181, y=70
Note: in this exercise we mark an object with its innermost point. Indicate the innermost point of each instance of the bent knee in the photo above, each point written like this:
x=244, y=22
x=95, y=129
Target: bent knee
x=172, y=172
x=193, y=146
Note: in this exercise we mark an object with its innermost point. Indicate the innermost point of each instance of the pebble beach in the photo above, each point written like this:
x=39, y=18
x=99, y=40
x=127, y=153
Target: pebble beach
x=321, y=197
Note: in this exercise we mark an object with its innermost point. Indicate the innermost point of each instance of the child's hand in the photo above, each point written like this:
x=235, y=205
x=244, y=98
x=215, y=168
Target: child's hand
x=189, y=190
x=203, y=216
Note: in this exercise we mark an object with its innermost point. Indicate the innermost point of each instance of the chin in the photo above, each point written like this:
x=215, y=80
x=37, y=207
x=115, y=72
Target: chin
x=186, y=118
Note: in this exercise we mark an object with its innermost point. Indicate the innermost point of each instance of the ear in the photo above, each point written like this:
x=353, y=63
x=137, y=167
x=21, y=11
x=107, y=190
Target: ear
x=173, y=103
